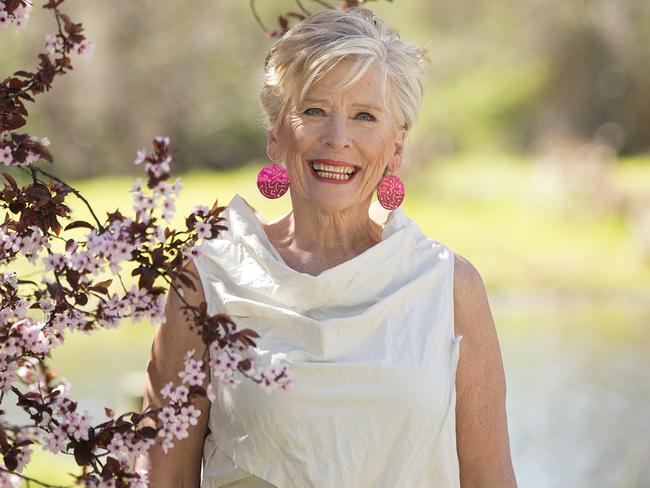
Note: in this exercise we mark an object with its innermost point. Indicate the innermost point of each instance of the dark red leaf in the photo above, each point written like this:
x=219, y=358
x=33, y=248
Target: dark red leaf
x=4, y=444
x=111, y=467
x=82, y=454
x=11, y=181
x=186, y=280
x=148, y=432
x=248, y=332
x=11, y=121
x=147, y=277
x=11, y=462
x=77, y=224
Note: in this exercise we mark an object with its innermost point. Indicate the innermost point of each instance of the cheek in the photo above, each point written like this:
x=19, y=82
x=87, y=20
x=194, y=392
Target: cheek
x=295, y=144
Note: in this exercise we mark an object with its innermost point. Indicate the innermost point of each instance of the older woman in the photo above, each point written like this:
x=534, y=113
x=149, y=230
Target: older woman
x=366, y=311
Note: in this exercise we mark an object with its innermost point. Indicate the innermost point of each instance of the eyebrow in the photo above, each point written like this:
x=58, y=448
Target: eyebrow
x=369, y=106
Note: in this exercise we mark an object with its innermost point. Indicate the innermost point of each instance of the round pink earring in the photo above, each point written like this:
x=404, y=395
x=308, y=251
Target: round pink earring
x=273, y=180
x=390, y=192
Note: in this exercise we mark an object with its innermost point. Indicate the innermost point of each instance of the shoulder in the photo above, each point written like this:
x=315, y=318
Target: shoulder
x=472, y=315
x=467, y=279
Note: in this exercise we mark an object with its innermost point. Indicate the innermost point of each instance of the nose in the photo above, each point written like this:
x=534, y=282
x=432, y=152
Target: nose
x=336, y=133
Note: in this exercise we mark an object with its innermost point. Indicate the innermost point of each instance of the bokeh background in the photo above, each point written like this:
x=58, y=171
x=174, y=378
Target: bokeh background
x=531, y=159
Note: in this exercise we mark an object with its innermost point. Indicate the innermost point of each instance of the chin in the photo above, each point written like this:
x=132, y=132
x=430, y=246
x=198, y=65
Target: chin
x=334, y=201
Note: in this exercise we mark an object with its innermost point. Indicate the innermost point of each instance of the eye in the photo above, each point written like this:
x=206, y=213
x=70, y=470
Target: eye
x=307, y=112
x=370, y=117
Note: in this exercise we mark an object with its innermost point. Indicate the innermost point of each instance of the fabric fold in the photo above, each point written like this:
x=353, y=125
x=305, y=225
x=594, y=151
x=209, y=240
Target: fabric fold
x=372, y=348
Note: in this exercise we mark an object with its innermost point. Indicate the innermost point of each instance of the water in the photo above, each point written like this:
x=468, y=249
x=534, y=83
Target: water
x=578, y=394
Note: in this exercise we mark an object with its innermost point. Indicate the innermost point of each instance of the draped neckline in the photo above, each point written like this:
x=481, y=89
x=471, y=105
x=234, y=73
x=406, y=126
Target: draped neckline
x=246, y=225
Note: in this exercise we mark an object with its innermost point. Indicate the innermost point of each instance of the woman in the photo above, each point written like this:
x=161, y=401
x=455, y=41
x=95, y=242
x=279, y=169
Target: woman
x=366, y=311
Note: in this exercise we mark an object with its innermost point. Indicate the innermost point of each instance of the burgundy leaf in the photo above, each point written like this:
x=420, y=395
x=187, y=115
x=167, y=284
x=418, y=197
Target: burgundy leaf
x=83, y=454
x=77, y=224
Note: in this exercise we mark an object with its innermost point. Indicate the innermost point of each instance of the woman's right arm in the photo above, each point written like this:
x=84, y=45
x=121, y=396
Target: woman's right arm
x=181, y=466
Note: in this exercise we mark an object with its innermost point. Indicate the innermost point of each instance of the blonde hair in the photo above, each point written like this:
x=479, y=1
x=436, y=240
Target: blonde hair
x=312, y=47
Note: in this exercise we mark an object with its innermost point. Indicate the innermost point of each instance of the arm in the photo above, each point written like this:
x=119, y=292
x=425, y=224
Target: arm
x=481, y=422
x=181, y=466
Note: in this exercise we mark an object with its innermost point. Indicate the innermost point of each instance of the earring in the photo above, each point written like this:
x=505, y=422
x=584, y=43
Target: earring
x=273, y=180
x=390, y=192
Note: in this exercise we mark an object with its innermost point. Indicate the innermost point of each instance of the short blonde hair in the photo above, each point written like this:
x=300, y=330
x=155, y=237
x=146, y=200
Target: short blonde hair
x=310, y=48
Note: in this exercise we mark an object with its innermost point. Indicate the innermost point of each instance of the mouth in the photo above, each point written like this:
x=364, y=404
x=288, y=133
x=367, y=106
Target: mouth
x=333, y=171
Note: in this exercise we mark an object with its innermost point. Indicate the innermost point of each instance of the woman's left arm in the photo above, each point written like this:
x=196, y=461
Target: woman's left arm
x=481, y=421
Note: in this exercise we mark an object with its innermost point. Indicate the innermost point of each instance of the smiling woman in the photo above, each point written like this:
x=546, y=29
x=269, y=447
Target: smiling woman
x=333, y=133
x=366, y=311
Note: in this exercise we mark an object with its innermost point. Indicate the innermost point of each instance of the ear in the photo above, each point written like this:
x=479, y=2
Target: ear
x=272, y=147
x=396, y=161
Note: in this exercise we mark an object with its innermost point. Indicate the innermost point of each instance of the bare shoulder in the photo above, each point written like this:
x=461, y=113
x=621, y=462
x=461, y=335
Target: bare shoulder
x=466, y=276
x=471, y=308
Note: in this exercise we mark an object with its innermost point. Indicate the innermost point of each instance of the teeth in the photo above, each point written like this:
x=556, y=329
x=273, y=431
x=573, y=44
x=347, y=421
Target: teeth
x=333, y=176
x=333, y=169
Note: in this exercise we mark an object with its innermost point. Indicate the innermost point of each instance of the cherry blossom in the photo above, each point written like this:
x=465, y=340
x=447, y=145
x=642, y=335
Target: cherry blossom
x=84, y=48
x=6, y=156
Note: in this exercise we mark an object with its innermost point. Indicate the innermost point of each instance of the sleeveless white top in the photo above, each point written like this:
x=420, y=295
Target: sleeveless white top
x=372, y=348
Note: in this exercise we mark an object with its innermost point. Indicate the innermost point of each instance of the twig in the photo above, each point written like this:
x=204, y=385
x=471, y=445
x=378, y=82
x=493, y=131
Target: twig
x=324, y=4
x=68, y=187
x=73, y=190
x=257, y=17
x=302, y=7
x=33, y=480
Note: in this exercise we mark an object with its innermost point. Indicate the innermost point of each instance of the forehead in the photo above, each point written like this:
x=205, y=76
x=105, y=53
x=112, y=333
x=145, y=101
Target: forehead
x=345, y=79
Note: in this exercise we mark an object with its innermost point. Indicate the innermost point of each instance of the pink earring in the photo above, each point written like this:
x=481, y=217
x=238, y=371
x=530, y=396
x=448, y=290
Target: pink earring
x=273, y=180
x=390, y=192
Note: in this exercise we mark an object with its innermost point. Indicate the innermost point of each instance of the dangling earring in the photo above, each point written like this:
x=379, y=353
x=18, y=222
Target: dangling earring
x=390, y=192
x=273, y=180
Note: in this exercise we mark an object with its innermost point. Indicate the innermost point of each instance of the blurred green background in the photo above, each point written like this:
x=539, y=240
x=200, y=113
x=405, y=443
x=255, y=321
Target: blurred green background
x=530, y=159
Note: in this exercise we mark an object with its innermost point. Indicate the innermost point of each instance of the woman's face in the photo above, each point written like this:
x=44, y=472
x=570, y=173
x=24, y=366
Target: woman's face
x=337, y=143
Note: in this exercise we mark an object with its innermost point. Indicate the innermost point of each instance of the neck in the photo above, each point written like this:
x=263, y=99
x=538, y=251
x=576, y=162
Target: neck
x=311, y=239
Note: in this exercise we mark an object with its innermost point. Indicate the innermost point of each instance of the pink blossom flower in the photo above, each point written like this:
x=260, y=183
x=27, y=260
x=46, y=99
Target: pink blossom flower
x=7, y=374
x=141, y=156
x=167, y=415
x=179, y=429
x=189, y=414
x=55, y=441
x=46, y=304
x=117, y=445
x=203, y=230
x=9, y=278
x=84, y=48
x=162, y=140
x=6, y=155
x=201, y=210
x=169, y=207
x=4, y=17
x=54, y=261
x=34, y=338
x=7, y=479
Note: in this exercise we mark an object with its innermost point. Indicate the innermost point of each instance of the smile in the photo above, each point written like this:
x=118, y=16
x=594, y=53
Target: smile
x=333, y=173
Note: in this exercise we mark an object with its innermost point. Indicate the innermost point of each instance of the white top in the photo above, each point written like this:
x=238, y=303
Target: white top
x=372, y=348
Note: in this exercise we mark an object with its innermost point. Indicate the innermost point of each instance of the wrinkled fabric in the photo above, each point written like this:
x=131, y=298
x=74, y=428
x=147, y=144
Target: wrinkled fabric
x=372, y=348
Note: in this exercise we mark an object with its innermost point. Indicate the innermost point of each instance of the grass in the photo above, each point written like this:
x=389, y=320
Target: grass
x=514, y=223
